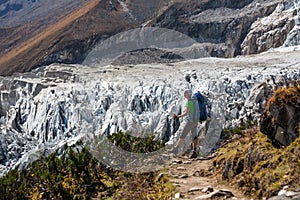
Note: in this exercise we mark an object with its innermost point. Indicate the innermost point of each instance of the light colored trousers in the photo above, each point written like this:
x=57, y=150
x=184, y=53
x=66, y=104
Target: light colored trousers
x=187, y=127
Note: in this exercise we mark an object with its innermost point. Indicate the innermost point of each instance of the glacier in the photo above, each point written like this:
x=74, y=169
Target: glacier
x=59, y=104
x=42, y=110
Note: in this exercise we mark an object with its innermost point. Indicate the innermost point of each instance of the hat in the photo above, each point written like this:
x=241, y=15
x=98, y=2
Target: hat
x=189, y=92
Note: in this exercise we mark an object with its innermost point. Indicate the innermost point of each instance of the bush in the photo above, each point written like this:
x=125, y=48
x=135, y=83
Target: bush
x=77, y=175
x=257, y=167
x=135, y=144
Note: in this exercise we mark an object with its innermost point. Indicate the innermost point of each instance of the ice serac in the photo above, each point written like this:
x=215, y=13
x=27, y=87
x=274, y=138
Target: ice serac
x=44, y=109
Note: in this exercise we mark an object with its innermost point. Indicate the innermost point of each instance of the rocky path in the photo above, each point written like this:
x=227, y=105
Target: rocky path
x=193, y=181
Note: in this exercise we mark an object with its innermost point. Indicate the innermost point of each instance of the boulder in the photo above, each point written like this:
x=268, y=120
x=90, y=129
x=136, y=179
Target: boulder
x=217, y=194
x=178, y=195
x=282, y=197
x=194, y=189
x=280, y=121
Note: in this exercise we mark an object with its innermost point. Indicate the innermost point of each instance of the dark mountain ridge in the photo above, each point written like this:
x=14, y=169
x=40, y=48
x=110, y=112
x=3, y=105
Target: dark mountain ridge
x=223, y=28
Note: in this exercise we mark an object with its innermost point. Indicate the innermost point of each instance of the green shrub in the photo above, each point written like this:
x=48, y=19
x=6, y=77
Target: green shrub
x=77, y=175
x=136, y=144
x=240, y=130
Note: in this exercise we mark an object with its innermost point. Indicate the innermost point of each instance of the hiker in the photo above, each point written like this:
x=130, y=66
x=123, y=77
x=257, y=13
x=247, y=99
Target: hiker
x=189, y=125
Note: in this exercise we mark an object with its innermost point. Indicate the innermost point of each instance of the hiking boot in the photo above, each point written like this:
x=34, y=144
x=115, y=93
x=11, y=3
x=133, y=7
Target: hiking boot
x=193, y=155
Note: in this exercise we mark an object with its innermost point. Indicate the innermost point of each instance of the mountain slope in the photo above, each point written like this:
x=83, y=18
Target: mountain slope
x=31, y=18
x=223, y=28
x=18, y=12
x=27, y=52
x=70, y=39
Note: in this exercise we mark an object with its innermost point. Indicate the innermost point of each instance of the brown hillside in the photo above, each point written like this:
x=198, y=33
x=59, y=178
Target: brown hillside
x=95, y=19
x=220, y=27
x=13, y=32
x=24, y=56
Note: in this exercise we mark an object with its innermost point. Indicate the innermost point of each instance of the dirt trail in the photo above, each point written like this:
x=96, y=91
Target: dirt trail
x=187, y=175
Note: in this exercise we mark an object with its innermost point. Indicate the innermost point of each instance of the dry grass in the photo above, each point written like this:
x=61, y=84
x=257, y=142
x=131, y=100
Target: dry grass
x=257, y=167
x=289, y=95
x=254, y=164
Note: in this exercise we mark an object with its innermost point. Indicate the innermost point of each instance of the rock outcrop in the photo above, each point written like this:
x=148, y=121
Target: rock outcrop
x=281, y=119
x=220, y=26
x=271, y=31
x=293, y=37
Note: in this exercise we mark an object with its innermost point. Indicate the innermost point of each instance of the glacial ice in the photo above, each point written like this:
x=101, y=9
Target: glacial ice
x=57, y=104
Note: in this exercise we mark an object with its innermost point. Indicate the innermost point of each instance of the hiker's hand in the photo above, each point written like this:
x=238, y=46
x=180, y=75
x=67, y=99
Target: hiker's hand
x=175, y=116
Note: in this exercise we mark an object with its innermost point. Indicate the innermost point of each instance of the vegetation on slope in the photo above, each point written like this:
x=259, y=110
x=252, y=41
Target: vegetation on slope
x=259, y=168
x=254, y=164
x=289, y=95
x=77, y=175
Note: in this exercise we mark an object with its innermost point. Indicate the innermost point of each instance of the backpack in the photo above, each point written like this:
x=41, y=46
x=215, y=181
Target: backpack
x=200, y=107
